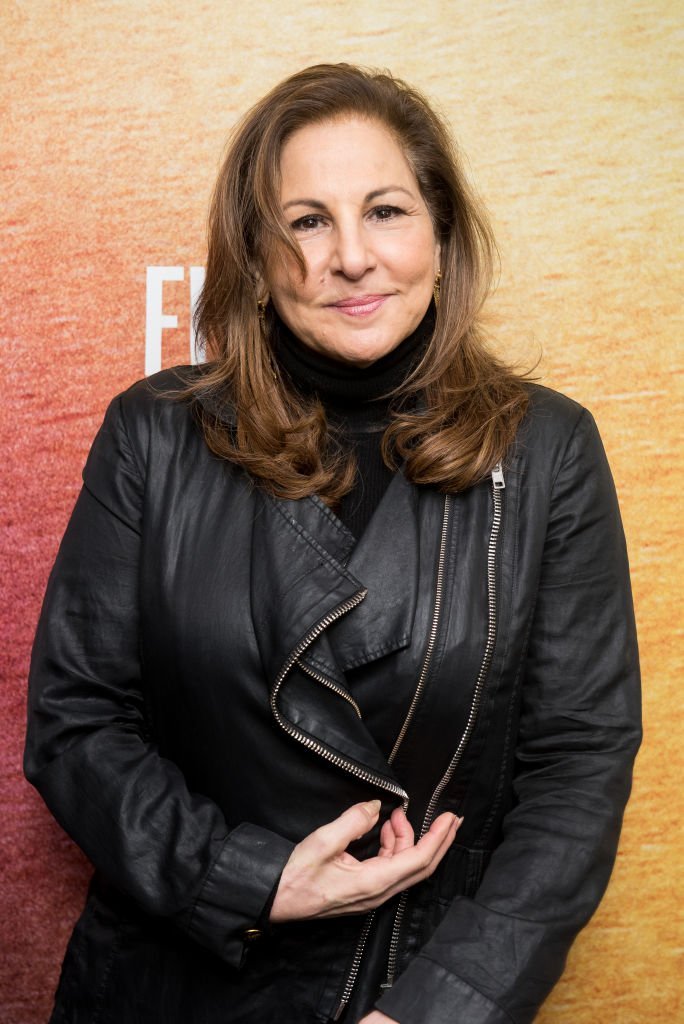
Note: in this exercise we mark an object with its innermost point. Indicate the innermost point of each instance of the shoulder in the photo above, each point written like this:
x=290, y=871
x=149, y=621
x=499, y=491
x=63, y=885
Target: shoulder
x=550, y=412
x=172, y=393
x=150, y=436
x=556, y=431
x=155, y=405
x=152, y=411
x=167, y=386
x=551, y=419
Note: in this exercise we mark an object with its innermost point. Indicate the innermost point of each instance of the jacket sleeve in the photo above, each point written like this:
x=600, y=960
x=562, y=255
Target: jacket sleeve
x=493, y=959
x=89, y=749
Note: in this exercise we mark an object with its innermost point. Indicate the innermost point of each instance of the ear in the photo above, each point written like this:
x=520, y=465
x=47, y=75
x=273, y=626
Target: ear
x=438, y=258
x=261, y=288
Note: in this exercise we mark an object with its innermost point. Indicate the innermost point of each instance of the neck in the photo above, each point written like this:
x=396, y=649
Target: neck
x=342, y=386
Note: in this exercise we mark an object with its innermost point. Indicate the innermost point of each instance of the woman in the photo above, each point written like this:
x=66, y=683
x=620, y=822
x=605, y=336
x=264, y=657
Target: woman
x=336, y=678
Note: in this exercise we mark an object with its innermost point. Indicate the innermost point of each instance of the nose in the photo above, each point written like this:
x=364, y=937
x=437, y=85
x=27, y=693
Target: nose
x=352, y=253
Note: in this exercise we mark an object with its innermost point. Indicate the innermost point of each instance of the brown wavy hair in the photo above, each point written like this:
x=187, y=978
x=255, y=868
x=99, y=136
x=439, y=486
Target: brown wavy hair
x=456, y=414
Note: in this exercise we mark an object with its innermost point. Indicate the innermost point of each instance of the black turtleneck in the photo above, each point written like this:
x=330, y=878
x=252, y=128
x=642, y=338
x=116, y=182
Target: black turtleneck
x=356, y=405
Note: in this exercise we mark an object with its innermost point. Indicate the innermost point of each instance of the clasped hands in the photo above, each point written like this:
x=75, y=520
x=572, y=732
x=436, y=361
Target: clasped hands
x=322, y=880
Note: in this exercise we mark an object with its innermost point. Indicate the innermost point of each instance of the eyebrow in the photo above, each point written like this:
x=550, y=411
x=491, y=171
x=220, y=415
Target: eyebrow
x=316, y=204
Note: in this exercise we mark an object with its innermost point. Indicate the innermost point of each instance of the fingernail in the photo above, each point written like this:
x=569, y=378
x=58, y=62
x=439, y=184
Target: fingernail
x=373, y=806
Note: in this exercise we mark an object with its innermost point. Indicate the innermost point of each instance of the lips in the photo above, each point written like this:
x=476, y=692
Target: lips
x=359, y=305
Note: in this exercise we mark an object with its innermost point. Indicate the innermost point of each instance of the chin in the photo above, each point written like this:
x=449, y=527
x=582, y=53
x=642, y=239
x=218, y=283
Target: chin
x=362, y=355
x=360, y=350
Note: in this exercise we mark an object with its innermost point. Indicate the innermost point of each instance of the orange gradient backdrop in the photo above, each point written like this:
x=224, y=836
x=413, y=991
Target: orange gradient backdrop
x=115, y=116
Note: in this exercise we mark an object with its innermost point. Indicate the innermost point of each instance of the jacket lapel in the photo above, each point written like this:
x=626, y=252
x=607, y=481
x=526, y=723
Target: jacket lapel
x=322, y=604
x=386, y=561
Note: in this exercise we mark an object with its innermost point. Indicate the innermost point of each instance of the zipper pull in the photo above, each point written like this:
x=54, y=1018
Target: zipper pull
x=498, y=478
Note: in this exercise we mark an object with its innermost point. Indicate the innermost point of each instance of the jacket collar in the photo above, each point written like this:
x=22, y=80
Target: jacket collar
x=386, y=561
x=306, y=563
x=306, y=568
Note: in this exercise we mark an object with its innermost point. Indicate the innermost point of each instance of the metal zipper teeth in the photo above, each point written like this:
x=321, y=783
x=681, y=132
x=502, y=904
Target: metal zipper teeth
x=309, y=638
x=358, y=954
x=337, y=759
x=486, y=659
x=497, y=486
x=331, y=685
x=356, y=964
x=313, y=744
x=361, y=773
x=432, y=639
x=401, y=907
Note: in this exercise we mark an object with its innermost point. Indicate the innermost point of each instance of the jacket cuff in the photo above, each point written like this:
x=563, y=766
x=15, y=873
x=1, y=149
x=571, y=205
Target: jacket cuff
x=226, y=917
x=426, y=993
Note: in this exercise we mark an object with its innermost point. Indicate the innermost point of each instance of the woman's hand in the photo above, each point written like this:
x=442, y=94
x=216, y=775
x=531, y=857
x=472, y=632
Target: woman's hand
x=321, y=880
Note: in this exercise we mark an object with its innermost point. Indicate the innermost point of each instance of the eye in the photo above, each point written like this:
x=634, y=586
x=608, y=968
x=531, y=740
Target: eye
x=384, y=213
x=310, y=222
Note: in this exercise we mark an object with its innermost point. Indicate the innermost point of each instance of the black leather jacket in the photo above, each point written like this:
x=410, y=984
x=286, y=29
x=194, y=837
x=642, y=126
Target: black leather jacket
x=210, y=675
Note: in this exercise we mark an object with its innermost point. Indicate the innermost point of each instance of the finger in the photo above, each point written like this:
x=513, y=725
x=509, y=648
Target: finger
x=380, y=878
x=404, y=837
x=377, y=879
x=386, y=876
x=387, y=840
x=336, y=836
x=439, y=836
x=434, y=845
x=447, y=820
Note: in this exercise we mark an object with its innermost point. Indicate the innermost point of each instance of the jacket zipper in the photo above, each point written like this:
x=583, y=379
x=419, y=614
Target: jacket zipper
x=374, y=778
x=324, y=681
x=432, y=639
x=439, y=586
x=361, y=773
x=498, y=484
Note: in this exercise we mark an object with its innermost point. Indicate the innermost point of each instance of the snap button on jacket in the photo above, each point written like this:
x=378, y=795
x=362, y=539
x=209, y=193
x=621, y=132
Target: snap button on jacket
x=217, y=673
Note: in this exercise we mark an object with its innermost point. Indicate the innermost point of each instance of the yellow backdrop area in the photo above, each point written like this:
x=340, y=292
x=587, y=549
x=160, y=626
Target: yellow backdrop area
x=116, y=114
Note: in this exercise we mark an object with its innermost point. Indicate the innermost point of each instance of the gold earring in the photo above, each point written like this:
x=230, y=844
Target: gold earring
x=436, y=287
x=261, y=312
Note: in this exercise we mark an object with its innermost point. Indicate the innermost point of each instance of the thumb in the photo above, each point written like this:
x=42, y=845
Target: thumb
x=352, y=824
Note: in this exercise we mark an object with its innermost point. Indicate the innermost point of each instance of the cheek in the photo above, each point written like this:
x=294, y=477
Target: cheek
x=287, y=283
x=317, y=259
x=292, y=297
x=300, y=293
x=414, y=261
x=421, y=276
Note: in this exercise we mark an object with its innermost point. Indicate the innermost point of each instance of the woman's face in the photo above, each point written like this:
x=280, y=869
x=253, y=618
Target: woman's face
x=371, y=256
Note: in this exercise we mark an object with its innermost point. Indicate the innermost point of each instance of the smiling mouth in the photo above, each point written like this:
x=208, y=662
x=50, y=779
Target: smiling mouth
x=359, y=305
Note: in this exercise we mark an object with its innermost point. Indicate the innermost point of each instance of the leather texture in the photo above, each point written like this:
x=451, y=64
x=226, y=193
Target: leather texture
x=180, y=733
